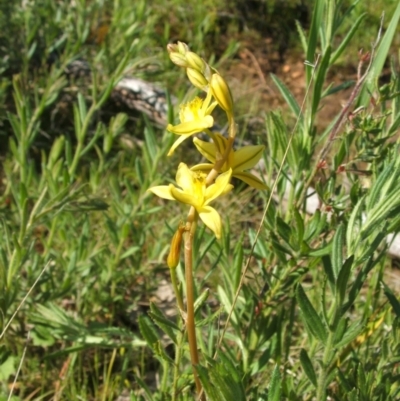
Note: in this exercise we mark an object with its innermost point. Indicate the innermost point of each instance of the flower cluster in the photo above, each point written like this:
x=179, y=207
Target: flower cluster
x=199, y=185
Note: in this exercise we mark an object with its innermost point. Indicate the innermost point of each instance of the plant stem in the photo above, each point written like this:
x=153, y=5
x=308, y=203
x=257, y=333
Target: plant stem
x=178, y=356
x=178, y=294
x=326, y=360
x=190, y=322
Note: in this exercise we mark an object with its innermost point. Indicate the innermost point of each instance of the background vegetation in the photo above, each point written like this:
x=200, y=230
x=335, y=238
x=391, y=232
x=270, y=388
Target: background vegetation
x=83, y=246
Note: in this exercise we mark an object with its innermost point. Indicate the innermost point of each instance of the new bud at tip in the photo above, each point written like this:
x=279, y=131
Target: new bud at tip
x=179, y=47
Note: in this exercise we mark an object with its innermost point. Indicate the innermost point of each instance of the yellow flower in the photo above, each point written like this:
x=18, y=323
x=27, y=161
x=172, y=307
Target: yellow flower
x=243, y=159
x=193, y=191
x=195, y=117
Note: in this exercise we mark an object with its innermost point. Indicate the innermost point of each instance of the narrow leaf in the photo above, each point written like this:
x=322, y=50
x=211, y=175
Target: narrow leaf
x=313, y=35
x=275, y=385
x=380, y=58
x=311, y=317
x=337, y=251
x=287, y=95
x=343, y=278
x=392, y=299
x=308, y=367
x=338, y=52
x=320, y=79
x=163, y=322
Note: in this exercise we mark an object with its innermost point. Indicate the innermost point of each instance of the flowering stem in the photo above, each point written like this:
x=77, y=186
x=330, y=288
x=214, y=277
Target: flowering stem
x=178, y=294
x=190, y=322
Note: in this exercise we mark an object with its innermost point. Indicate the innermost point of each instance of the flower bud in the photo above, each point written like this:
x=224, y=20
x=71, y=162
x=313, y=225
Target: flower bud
x=178, y=59
x=174, y=252
x=221, y=92
x=196, y=78
x=195, y=62
x=183, y=48
x=180, y=47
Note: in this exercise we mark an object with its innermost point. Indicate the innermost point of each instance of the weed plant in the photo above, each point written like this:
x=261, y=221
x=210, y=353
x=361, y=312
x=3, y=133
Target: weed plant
x=289, y=305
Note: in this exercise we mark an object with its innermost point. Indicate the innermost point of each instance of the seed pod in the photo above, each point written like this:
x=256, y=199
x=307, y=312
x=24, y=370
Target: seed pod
x=174, y=252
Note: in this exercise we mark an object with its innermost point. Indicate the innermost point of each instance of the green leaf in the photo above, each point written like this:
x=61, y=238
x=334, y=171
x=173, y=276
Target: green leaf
x=213, y=393
x=227, y=303
x=320, y=79
x=361, y=378
x=327, y=265
x=302, y=36
x=163, y=322
x=351, y=334
x=352, y=237
x=151, y=142
x=392, y=299
x=343, y=278
x=382, y=185
x=337, y=250
x=308, y=367
x=313, y=321
x=338, y=52
x=340, y=330
x=299, y=226
x=395, y=125
x=275, y=385
x=337, y=88
x=201, y=300
x=287, y=95
x=380, y=58
x=221, y=380
x=150, y=335
x=148, y=331
x=316, y=22
x=360, y=279
x=284, y=229
x=8, y=368
x=238, y=262
x=379, y=213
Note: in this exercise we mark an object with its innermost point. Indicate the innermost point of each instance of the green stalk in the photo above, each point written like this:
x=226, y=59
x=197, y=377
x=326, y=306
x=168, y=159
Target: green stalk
x=178, y=294
x=178, y=357
x=321, y=385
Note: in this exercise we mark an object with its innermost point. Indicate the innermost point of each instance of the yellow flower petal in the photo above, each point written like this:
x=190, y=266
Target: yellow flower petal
x=251, y=180
x=207, y=149
x=202, y=167
x=211, y=219
x=216, y=189
x=247, y=157
x=195, y=117
x=184, y=178
x=191, y=127
x=163, y=191
x=184, y=197
x=176, y=144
